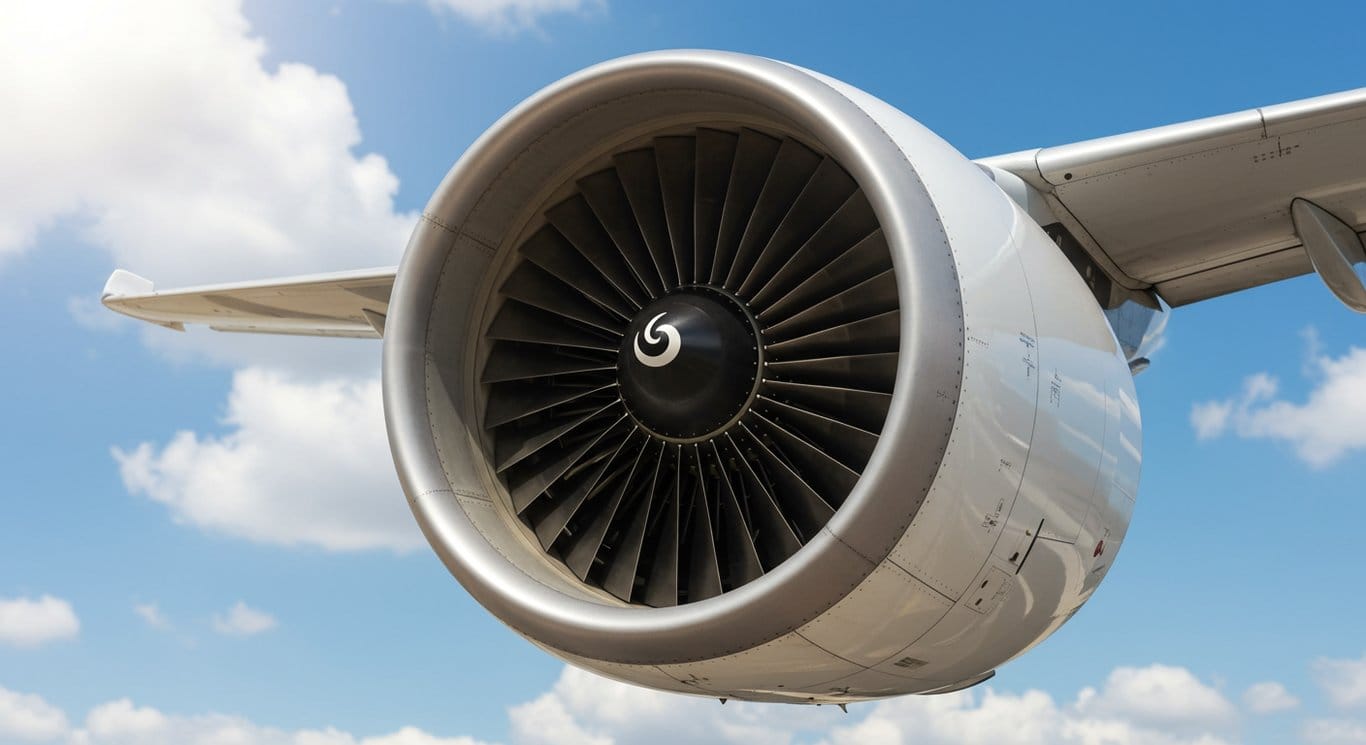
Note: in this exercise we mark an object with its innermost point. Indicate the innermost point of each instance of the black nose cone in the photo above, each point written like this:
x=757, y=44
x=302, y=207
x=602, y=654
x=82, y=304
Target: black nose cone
x=688, y=364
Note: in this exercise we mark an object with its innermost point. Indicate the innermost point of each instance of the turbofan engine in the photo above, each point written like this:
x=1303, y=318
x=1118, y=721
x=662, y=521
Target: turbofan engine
x=715, y=375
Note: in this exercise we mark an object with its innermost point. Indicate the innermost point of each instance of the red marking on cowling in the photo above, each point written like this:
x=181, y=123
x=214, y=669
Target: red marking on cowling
x=1100, y=549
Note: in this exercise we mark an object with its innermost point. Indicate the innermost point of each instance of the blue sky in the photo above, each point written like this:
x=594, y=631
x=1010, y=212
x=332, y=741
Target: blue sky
x=198, y=529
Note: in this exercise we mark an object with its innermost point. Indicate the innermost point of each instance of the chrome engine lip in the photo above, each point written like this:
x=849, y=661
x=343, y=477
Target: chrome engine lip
x=862, y=532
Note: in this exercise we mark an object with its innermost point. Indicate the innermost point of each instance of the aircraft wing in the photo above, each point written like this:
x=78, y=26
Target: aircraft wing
x=351, y=304
x=1202, y=209
x=1191, y=211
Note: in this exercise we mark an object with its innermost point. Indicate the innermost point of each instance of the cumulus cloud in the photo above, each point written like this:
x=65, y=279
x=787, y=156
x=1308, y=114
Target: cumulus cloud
x=1333, y=732
x=1344, y=681
x=506, y=17
x=25, y=622
x=1210, y=419
x=1161, y=697
x=1155, y=705
x=28, y=718
x=243, y=620
x=155, y=131
x=303, y=463
x=1330, y=423
x=1268, y=698
x=156, y=126
x=1158, y=704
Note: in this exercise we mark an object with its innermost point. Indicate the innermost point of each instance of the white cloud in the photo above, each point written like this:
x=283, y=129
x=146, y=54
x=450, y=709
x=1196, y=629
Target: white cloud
x=304, y=463
x=1343, y=680
x=415, y=736
x=1268, y=698
x=152, y=615
x=121, y=719
x=28, y=718
x=1160, y=696
x=243, y=620
x=122, y=723
x=31, y=623
x=1154, y=705
x=155, y=131
x=1210, y=418
x=156, y=126
x=1333, y=732
x=1330, y=423
x=512, y=16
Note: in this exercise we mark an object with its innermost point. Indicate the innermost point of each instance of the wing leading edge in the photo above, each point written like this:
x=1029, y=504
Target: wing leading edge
x=348, y=304
x=1203, y=208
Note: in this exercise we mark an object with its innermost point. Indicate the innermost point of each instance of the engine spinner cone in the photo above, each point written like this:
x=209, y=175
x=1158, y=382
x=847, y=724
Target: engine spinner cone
x=689, y=364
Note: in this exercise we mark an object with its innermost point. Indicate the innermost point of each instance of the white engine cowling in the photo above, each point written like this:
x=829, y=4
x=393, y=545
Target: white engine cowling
x=715, y=375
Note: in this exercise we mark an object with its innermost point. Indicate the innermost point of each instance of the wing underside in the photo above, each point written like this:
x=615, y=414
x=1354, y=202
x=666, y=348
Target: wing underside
x=1202, y=209
x=347, y=304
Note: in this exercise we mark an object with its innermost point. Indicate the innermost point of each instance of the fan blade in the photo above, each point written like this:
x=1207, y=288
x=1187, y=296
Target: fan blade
x=552, y=252
x=864, y=300
x=832, y=437
x=535, y=286
x=827, y=474
x=533, y=485
x=715, y=153
x=704, y=575
x=661, y=589
x=880, y=333
x=576, y=221
x=514, y=361
x=640, y=179
x=774, y=538
x=552, y=524
x=865, y=260
x=850, y=224
x=864, y=409
x=804, y=507
x=676, y=159
x=586, y=545
x=513, y=400
x=792, y=168
x=621, y=571
x=822, y=196
x=754, y=154
x=517, y=321
x=869, y=372
x=511, y=443
x=741, y=564
x=605, y=195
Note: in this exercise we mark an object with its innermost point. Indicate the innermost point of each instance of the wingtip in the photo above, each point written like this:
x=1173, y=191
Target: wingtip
x=123, y=283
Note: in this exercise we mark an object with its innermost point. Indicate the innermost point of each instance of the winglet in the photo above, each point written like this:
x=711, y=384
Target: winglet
x=123, y=283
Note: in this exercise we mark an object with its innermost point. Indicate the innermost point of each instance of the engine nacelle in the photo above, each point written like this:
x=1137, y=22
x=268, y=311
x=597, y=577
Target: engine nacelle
x=715, y=375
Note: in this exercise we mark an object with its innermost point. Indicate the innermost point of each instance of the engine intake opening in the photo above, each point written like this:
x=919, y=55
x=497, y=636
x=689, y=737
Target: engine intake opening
x=691, y=361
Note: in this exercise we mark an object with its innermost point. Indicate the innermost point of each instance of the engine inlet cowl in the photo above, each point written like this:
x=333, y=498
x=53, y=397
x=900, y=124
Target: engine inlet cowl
x=648, y=346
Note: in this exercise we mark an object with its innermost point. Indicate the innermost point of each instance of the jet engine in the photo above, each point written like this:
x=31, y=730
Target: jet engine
x=713, y=374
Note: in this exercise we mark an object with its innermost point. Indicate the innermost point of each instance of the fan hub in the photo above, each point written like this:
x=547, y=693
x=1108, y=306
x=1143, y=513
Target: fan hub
x=689, y=364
